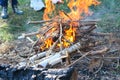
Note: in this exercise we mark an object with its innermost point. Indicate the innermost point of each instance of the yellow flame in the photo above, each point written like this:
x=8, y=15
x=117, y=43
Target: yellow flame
x=48, y=43
x=49, y=9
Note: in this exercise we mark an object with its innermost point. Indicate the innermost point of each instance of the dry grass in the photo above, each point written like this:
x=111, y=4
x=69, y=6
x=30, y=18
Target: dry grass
x=6, y=47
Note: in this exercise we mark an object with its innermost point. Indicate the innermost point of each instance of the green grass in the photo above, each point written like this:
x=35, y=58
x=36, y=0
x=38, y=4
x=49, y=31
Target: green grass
x=15, y=25
x=110, y=20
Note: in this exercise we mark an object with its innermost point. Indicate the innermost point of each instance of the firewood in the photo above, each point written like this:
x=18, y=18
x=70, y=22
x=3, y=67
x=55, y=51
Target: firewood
x=43, y=54
x=89, y=53
x=58, y=54
x=38, y=22
x=28, y=38
x=81, y=22
x=99, y=52
x=57, y=57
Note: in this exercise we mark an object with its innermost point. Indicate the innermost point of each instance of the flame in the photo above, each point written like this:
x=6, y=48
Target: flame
x=49, y=9
x=48, y=43
x=78, y=9
x=69, y=36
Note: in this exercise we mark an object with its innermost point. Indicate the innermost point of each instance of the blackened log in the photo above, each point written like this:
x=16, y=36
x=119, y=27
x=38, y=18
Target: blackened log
x=8, y=72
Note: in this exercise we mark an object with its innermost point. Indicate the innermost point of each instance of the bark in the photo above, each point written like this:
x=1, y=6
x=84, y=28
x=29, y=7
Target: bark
x=58, y=55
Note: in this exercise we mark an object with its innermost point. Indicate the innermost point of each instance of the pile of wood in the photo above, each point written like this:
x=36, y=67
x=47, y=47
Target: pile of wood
x=88, y=43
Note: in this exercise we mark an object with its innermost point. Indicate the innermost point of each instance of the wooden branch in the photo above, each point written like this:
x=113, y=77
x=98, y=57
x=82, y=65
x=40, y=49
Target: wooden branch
x=67, y=15
x=28, y=38
x=82, y=22
x=78, y=59
x=61, y=34
x=86, y=31
x=37, y=56
x=43, y=54
x=88, y=53
x=99, y=52
x=39, y=22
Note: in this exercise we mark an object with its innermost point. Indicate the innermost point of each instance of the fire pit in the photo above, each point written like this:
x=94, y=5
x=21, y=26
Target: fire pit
x=63, y=33
x=62, y=41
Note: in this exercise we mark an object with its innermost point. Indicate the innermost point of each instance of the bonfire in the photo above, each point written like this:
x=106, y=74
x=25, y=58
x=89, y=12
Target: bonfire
x=65, y=34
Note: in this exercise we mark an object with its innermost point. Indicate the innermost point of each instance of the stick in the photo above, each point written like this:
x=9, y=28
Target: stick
x=89, y=53
x=30, y=39
x=78, y=59
x=61, y=34
x=39, y=22
x=99, y=52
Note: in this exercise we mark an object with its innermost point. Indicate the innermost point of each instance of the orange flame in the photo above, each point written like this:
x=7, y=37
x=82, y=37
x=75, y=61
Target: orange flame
x=70, y=34
x=69, y=37
x=48, y=43
x=49, y=9
x=78, y=9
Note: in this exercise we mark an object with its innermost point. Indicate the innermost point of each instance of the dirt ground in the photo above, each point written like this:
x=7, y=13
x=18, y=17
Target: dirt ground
x=17, y=51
